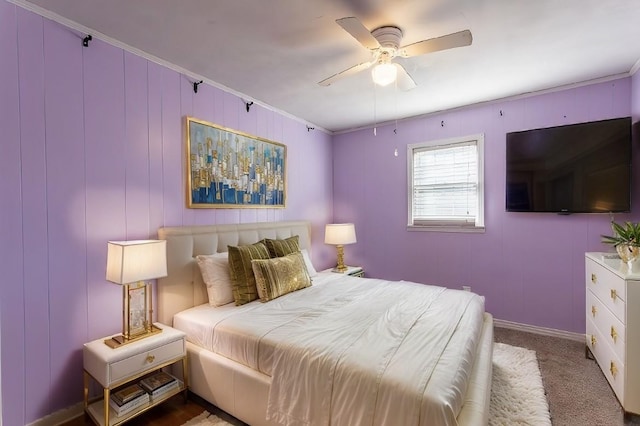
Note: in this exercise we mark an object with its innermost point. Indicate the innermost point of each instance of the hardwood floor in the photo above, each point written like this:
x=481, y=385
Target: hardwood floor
x=173, y=412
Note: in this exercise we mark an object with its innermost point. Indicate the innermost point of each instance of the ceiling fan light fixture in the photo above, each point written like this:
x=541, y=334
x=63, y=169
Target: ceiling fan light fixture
x=384, y=74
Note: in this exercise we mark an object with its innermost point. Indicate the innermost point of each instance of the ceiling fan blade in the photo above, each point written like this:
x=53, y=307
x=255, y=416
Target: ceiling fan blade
x=358, y=31
x=349, y=71
x=404, y=80
x=459, y=39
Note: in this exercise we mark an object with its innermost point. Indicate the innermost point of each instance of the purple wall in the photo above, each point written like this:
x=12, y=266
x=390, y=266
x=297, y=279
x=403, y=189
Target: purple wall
x=529, y=266
x=635, y=96
x=92, y=150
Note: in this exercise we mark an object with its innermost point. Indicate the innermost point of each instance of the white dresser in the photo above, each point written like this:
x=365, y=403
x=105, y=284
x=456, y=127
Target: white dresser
x=613, y=324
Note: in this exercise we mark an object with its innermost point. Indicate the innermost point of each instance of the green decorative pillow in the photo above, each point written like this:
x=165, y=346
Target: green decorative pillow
x=242, y=279
x=281, y=275
x=279, y=248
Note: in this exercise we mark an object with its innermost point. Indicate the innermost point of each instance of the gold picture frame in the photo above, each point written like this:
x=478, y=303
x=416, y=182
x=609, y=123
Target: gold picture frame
x=231, y=169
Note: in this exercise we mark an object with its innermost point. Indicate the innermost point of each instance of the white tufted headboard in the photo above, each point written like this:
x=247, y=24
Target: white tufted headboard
x=183, y=288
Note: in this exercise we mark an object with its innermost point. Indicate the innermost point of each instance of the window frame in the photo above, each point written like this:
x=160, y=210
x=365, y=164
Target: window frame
x=448, y=225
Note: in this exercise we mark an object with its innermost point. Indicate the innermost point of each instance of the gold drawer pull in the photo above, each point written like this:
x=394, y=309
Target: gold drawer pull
x=593, y=310
x=150, y=358
x=614, y=334
x=593, y=340
x=614, y=293
x=594, y=278
x=613, y=369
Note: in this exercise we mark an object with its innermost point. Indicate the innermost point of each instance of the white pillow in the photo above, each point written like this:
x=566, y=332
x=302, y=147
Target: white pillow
x=307, y=261
x=215, y=274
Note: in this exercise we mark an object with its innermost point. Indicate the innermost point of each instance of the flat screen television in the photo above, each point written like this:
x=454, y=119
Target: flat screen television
x=578, y=168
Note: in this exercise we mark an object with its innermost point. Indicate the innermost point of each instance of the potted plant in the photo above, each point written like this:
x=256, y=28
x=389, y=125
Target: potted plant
x=626, y=240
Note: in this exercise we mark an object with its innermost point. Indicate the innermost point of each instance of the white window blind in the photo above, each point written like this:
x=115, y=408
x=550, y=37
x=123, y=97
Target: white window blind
x=446, y=184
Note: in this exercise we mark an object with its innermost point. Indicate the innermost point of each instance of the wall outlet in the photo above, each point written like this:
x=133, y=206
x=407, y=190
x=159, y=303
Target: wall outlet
x=466, y=288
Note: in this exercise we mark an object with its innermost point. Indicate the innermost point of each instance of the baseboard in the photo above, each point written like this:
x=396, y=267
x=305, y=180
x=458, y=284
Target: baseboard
x=60, y=416
x=539, y=330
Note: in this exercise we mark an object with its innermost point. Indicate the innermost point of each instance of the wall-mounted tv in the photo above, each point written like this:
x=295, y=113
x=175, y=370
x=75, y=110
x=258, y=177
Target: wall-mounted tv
x=578, y=168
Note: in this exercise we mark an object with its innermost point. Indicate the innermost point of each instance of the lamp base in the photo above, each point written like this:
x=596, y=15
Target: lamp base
x=340, y=267
x=119, y=340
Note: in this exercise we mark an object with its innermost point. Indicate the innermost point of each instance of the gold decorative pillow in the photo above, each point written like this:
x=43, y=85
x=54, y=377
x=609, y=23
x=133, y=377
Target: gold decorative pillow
x=279, y=276
x=242, y=278
x=279, y=248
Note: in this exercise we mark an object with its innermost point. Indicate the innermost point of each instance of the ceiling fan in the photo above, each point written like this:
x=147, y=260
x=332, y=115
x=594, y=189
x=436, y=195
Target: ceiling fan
x=384, y=44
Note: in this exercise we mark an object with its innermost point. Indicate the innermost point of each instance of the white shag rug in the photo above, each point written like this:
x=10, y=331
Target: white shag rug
x=206, y=419
x=517, y=393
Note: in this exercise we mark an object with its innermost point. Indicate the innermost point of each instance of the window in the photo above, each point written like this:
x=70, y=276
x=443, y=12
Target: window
x=446, y=185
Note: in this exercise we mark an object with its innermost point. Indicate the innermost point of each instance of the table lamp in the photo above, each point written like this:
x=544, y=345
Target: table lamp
x=339, y=234
x=131, y=264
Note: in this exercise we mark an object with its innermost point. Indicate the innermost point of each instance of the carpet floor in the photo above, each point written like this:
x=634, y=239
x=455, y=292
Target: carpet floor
x=577, y=391
x=517, y=394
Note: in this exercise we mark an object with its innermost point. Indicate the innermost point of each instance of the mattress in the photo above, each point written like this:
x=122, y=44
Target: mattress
x=398, y=351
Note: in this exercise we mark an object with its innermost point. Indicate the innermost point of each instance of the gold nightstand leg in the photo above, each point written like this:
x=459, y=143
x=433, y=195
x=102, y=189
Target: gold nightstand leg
x=185, y=377
x=106, y=406
x=85, y=377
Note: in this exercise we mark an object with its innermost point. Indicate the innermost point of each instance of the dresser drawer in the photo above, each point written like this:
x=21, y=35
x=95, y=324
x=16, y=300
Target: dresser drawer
x=139, y=363
x=606, y=358
x=609, y=288
x=607, y=324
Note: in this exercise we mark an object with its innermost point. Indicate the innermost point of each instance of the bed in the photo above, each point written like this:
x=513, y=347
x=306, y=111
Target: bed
x=377, y=378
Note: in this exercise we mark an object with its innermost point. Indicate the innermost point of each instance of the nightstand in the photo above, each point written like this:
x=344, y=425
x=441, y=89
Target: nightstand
x=112, y=368
x=354, y=271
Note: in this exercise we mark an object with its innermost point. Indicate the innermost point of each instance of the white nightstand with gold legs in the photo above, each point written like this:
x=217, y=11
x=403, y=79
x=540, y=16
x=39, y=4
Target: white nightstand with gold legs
x=112, y=368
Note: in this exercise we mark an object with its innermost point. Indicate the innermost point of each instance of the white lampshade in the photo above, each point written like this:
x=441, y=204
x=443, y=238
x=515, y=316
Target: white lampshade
x=132, y=261
x=340, y=234
x=384, y=74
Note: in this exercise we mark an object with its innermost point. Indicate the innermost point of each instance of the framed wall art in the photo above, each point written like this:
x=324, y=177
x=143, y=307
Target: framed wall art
x=231, y=169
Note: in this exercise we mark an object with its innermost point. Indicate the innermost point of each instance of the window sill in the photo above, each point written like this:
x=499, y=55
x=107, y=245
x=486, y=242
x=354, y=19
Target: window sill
x=447, y=228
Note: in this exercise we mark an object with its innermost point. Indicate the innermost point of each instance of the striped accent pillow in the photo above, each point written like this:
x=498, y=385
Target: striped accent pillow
x=279, y=248
x=242, y=279
x=281, y=275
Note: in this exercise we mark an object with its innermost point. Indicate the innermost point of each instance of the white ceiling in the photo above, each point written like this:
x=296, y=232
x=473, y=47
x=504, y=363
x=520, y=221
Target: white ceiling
x=276, y=51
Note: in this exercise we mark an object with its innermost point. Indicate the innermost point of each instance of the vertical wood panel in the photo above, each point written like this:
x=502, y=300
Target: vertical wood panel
x=218, y=106
x=187, y=99
x=204, y=103
x=156, y=185
x=65, y=211
x=137, y=148
x=174, y=200
x=248, y=120
x=231, y=108
x=106, y=170
x=11, y=289
x=34, y=206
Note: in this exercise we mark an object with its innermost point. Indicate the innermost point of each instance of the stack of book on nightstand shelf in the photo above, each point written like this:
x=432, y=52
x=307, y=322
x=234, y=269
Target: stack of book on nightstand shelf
x=159, y=383
x=127, y=399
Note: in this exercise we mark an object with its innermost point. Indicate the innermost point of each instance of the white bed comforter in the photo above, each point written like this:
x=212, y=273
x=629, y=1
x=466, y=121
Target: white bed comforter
x=368, y=360
x=354, y=351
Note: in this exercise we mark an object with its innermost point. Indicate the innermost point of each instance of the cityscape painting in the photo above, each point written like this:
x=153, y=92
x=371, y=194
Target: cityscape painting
x=231, y=169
